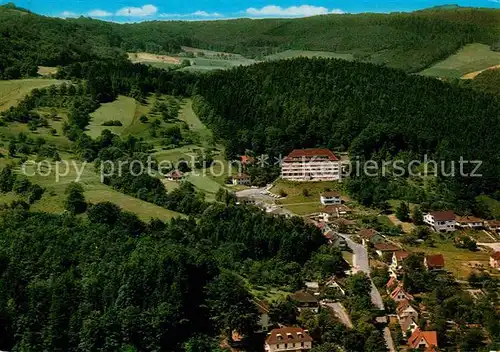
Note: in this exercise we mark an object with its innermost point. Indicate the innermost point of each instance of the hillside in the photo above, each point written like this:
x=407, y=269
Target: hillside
x=410, y=41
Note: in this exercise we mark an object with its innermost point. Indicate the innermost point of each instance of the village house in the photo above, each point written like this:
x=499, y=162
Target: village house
x=288, y=339
x=495, y=260
x=441, y=221
x=397, y=262
x=370, y=236
x=305, y=300
x=405, y=309
x=333, y=283
x=469, y=222
x=434, y=262
x=330, y=198
x=493, y=225
x=247, y=160
x=381, y=248
x=241, y=179
x=391, y=284
x=399, y=294
x=305, y=165
x=336, y=240
x=423, y=340
x=175, y=175
x=332, y=212
x=264, y=320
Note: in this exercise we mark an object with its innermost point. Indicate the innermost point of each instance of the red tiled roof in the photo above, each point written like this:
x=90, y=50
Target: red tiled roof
x=429, y=336
x=331, y=194
x=401, y=255
x=392, y=281
x=493, y=223
x=245, y=159
x=443, y=215
x=288, y=335
x=399, y=289
x=311, y=153
x=242, y=177
x=385, y=247
x=435, y=260
x=495, y=255
x=367, y=233
x=468, y=219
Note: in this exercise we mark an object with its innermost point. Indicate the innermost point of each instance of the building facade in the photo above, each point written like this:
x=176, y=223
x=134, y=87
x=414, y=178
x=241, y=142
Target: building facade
x=441, y=221
x=309, y=165
x=330, y=198
x=288, y=339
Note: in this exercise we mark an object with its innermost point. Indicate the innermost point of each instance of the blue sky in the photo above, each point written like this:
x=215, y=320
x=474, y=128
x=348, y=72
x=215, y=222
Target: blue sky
x=143, y=10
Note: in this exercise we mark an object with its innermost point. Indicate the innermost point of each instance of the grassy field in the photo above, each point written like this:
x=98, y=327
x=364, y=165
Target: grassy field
x=460, y=262
x=13, y=91
x=289, y=54
x=95, y=191
x=471, y=58
x=122, y=109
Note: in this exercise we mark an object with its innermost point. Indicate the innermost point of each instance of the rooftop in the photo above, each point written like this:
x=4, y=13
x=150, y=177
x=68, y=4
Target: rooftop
x=429, y=336
x=385, y=247
x=288, y=335
x=447, y=215
x=311, y=153
x=331, y=194
x=435, y=260
x=495, y=255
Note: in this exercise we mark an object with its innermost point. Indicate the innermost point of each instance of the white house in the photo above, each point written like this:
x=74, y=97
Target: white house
x=330, y=198
x=306, y=165
x=441, y=221
x=241, y=179
x=288, y=339
x=470, y=222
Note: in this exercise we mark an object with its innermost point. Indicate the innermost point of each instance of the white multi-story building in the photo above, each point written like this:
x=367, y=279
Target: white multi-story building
x=311, y=165
x=330, y=198
x=441, y=221
x=288, y=340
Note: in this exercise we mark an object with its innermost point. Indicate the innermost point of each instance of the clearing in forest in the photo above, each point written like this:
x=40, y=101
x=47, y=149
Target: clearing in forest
x=122, y=109
x=470, y=59
x=13, y=91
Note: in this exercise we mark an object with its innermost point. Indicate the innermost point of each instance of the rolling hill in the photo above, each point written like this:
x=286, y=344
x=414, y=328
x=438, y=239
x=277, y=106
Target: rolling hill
x=409, y=41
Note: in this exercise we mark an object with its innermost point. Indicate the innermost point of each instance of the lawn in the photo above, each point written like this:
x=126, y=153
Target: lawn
x=459, y=262
x=469, y=59
x=122, y=109
x=289, y=54
x=13, y=91
x=95, y=191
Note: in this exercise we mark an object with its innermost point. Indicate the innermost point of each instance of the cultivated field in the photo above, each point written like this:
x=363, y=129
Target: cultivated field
x=13, y=91
x=289, y=54
x=466, y=63
x=150, y=58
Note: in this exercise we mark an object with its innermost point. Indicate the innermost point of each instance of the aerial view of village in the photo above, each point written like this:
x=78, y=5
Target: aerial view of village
x=249, y=176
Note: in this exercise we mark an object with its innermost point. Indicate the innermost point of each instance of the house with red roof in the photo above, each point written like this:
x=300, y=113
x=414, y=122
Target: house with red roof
x=330, y=198
x=288, y=339
x=175, y=175
x=441, y=221
x=493, y=225
x=399, y=294
x=469, y=222
x=332, y=212
x=247, y=160
x=382, y=248
x=306, y=165
x=370, y=236
x=241, y=179
x=423, y=340
x=434, y=262
x=495, y=260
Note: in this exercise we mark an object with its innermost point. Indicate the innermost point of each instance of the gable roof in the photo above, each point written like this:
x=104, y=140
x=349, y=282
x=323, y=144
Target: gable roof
x=447, y=215
x=331, y=194
x=495, y=255
x=401, y=255
x=429, y=336
x=493, y=223
x=468, y=219
x=406, y=322
x=288, y=335
x=246, y=159
x=311, y=153
x=403, y=305
x=392, y=281
x=367, y=233
x=385, y=247
x=435, y=260
x=400, y=289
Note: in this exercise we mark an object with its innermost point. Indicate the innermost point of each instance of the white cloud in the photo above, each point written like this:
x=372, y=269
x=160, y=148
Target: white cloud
x=497, y=1
x=144, y=11
x=292, y=11
x=99, y=13
x=68, y=14
x=193, y=15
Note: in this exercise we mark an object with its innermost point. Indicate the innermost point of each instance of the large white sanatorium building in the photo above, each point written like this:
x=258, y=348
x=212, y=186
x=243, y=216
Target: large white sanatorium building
x=311, y=165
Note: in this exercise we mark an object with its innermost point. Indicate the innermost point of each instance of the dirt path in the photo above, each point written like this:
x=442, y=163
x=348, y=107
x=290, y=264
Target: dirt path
x=474, y=74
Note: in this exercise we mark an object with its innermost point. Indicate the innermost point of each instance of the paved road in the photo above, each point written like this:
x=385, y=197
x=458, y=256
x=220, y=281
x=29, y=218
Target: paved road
x=494, y=246
x=361, y=263
x=388, y=339
x=340, y=312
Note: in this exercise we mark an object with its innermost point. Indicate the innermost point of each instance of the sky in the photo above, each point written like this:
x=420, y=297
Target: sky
x=144, y=10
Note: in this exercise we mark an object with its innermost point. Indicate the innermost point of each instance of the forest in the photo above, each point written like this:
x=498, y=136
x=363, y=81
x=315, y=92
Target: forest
x=409, y=41
x=371, y=111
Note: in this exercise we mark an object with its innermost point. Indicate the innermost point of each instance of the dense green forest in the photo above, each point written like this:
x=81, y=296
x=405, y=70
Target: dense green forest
x=410, y=41
x=371, y=111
